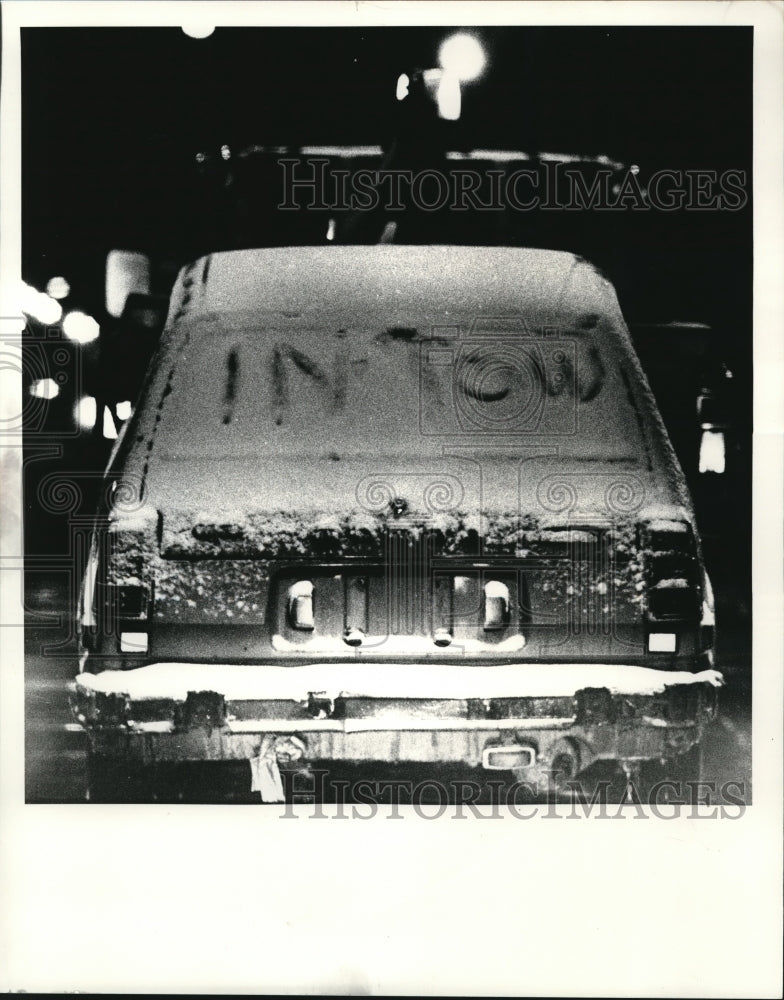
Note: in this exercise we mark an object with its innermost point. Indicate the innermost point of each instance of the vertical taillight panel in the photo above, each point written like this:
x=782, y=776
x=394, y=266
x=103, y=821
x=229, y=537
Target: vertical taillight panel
x=672, y=599
x=123, y=604
x=672, y=586
x=126, y=616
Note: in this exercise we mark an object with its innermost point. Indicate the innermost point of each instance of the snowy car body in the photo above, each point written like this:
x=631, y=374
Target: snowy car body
x=396, y=504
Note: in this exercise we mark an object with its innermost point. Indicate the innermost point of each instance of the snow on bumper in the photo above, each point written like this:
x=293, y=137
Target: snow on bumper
x=238, y=682
x=186, y=711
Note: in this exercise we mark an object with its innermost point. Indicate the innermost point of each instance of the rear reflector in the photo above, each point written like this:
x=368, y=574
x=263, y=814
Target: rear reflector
x=134, y=642
x=507, y=758
x=662, y=642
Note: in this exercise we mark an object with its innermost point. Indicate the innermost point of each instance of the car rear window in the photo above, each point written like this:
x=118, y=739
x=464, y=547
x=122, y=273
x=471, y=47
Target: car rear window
x=352, y=390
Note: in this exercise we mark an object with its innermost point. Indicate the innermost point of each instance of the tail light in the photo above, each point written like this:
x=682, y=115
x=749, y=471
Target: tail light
x=671, y=599
x=132, y=602
x=672, y=583
x=126, y=615
x=119, y=577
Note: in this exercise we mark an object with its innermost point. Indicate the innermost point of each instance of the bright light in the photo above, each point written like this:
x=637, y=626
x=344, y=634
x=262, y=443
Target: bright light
x=331, y=230
x=401, y=91
x=448, y=97
x=198, y=29
x=81, y=328
x=109, y=428
x=463, y=56
x=58, y=288
x=712, y=452
x=40, y=306
x=85, y=412
x=225, y=152
x=45, y=388
x=126, y=271
x=124, y=410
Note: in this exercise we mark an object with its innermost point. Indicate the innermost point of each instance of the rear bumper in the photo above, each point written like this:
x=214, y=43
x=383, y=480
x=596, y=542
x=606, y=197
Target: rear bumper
x=385, y=712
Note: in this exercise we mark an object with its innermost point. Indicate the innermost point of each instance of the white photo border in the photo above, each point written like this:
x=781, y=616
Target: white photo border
x=207, y=900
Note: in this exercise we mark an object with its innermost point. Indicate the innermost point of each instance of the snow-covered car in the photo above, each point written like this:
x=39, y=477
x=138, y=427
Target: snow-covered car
x=395, y=504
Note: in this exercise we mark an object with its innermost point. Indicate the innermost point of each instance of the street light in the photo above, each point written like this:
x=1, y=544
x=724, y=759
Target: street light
x=462, y=59
x=80, y=328
x=462, y=56
x=45, y=388
x=58, y=288
x=196, y=28
x=39, y=305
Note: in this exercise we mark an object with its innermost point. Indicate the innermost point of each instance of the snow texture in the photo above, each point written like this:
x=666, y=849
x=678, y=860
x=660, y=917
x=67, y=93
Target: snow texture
x=310, y=300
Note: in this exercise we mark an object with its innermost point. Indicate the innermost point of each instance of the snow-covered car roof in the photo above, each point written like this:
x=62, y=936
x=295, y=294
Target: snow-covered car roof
x=401, y=281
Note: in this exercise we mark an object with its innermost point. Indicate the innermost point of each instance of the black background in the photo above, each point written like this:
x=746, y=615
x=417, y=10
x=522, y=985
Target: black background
x=112, y=119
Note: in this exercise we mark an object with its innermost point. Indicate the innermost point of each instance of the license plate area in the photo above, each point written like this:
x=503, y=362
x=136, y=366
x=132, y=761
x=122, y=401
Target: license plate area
x=397, y=610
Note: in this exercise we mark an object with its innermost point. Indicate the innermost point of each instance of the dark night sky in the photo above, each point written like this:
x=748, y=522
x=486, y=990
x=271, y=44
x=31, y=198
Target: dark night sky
x=112, y=117
x=631, y=93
